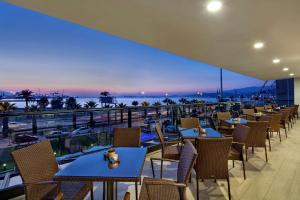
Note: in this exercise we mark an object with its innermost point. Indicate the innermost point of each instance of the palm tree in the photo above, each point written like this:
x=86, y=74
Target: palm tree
x=6, y=107
x=145, y=104
x=182, y=101
x=104, y=93
x=71, y=104
x=122, y=106
x=57, y=103
x=27, y=95
x=157, y=106
x=34, y=108
x=135, y=103
x=43, y=103
x=91, y=105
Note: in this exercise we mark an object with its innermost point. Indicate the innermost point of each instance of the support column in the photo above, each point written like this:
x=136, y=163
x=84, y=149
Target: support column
x=297, y=90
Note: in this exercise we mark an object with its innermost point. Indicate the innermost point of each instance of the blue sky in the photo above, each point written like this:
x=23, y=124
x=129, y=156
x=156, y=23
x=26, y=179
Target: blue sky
x=46, y=54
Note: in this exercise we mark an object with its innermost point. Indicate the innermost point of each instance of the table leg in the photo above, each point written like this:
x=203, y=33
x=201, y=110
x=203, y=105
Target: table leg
x=110, y=190
x=136, y=191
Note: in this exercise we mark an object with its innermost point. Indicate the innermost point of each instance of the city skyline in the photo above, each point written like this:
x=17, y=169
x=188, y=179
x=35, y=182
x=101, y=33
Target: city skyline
x=46, y=54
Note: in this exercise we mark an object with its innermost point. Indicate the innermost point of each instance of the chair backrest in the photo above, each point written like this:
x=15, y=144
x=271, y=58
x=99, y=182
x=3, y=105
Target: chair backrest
x=259, y=108
x=211, y=123
x=248, y=111
x=240, y=133
x=223, y=115
x=127, y=137
x=188, y=156
x=258, y=134
x=212, y=162
x=275, y=122
x=190, y=122
x=36, y=163
x=285, y=113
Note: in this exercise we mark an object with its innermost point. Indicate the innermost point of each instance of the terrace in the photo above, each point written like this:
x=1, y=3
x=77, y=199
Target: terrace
x=199, y=31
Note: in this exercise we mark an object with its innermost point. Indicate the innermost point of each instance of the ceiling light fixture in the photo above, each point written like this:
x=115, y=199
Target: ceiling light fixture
x=214, y=6
x=258, y=45
x=285, y=69
x=276, y=60
x=292, y=74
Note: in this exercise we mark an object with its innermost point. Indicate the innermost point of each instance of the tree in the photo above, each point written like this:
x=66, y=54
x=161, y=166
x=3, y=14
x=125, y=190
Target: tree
x=57, y=103
x=43, y=103
x=6, y=107
x=91, y=105
x=157, y=106
x=27, y=95
x=104, y=93
x=71, y=104
x=135, y=103
x=122, y=106
x=145, y=104
x=182, y=101
x=34, y=108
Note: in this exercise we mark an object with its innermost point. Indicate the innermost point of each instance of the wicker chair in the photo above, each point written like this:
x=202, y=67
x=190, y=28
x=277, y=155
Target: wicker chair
x=126, y=196
x=223, y=127
x=127, y=137
x=168, y=150
x=267, y=119
x=37, y=167
x=240, y=135
x=284, y=122
x=248, y=113
x=275, y=124
x=260, y=108
x=212, y=162
x=257, y=136
x=167, y=189
x=190, y=122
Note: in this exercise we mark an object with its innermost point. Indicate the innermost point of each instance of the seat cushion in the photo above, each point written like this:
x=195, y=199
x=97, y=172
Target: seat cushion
x=234, y=154
x=172, y=152
x=75, y=190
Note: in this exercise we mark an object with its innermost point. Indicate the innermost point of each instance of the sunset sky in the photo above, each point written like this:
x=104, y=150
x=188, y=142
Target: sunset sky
x=46, y=54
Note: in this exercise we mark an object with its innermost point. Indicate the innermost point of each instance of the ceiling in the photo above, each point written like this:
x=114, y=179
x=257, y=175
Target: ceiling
x=184, y=27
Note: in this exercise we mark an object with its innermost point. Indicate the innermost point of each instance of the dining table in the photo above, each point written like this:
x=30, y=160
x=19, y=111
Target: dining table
x=193, y=133
x=95, y=168
x=236, y=121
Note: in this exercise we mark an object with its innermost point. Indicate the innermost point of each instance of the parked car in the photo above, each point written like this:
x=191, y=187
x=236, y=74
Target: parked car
x=25, y=138
x=55, y=134
x=81, y=130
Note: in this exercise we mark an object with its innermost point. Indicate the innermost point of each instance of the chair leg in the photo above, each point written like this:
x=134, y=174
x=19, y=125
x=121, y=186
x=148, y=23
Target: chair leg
x=161, y=168
x=92, y=192
x=197, y=183
x=244, y=170
x=285, y=132
x=246, y=152
x=266, y=153
x=279, y=136
x=104, y=189
x=116, y=190
x=136, y=191
x=233, y=163
x=152, y=167
x=228, y=183
x=269, y=139
x=252, y=150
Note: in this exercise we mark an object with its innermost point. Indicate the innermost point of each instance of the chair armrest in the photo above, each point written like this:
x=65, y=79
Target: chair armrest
x=59, y=194
x=172, y=142
x=153, y=181
x=239, y=143
x=41, y=183
x=164, y=159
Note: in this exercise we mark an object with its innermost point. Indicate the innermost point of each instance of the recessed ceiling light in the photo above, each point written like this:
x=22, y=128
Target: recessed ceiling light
x=292, y=74
x=214, y=6
x=258, y=45
x=285, y=69
x=276, y=60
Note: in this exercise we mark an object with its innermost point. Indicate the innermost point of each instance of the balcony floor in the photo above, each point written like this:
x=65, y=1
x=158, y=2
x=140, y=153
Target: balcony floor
x=277, y=179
